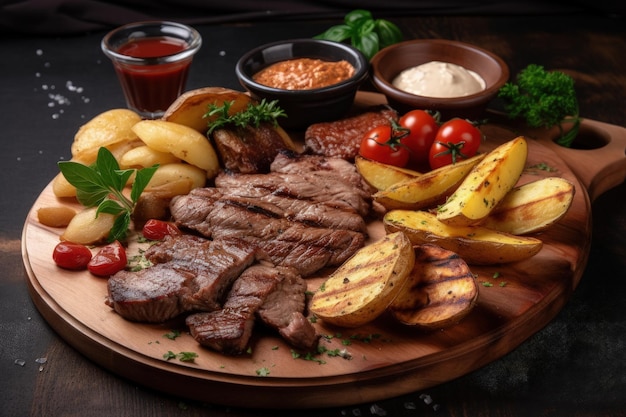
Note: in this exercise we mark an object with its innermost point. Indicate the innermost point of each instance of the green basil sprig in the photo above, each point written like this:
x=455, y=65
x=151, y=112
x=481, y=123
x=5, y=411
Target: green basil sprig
x=102, y=185
x=365, y=33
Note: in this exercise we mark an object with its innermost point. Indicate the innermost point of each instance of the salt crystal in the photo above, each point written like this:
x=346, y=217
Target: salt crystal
x=377, y=411
x=39, y=52
x=436, y=407
x=410, y=405
x=222, y=53
x=41, y=360
x=46, y=65
x=426, y=398
x=38, y=74
x=20, y=362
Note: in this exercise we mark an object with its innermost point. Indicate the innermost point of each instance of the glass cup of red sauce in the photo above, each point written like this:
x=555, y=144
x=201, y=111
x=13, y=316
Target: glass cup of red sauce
x=152, y=61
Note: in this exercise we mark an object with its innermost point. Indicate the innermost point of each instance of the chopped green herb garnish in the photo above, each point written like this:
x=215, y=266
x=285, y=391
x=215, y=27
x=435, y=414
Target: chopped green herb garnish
x=253, y=115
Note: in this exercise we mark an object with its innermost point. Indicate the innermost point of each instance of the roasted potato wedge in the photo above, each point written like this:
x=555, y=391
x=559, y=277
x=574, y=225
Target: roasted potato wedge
x=382, y=176
x=87, y=228
x=439, y=291
x=176, y=179
x=105, y=129
x=532, y=207
x=55, y=216
x=181, y=141
x=144, y=156
x=189, y=108
x=363, y=287
x=487, y=183
x=428, y=189
x=475, y=244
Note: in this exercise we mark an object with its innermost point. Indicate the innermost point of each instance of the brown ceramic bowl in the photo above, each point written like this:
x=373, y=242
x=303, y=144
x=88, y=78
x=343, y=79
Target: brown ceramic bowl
x=392, y=60
x=304, y=107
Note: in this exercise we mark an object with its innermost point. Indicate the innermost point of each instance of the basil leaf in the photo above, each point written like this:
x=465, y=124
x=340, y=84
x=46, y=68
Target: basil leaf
x=388, y=33
x=367, y=44
x=142, y=179
x=355, y=17
x=107, y=165
x=91, y=198
x=110, y=207
x=120, y=227
x=337, y=33
x=81, y=176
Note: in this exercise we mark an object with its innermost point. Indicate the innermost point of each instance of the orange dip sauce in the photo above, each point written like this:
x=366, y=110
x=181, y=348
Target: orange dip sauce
x=304, y=74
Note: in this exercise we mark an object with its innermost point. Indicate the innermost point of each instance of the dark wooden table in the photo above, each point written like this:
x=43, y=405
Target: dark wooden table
x=575, y=366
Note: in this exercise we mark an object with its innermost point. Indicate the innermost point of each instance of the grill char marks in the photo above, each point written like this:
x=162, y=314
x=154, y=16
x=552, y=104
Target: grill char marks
x=189, y=274
x=306, y=214
x=255, y=294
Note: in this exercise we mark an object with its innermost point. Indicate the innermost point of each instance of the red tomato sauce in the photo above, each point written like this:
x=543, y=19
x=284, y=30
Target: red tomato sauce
x=152, y=88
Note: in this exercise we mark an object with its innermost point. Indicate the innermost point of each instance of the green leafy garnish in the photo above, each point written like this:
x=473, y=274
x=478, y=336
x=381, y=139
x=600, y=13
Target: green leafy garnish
x=365, y=33
x=253, y=115
x=102, y=185
x=544, y=99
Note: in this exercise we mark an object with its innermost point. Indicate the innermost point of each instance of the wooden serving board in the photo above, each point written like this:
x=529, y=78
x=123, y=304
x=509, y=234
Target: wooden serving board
x=386, y=359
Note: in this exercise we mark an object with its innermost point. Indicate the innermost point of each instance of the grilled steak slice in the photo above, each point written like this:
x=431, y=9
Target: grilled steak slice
x=216, y=264
x=342, y=138
x=293, y=163
x=150, y=295
x=248, y=149
x=190, y=273
x=285, y=242
x=313, y=187
x=229, y=329
x=262, y=200
x=283, y=310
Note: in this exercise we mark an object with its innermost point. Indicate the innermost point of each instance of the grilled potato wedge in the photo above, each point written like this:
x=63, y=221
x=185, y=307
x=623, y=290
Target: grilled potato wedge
x=105, y=129
x=439, y=292
x=487, y=183
x=532, y=207
x=382, y=176
x=88, y=228
x=189, y=108
x=475, y=244
x=181, y=141
x=428, y=189
x=365, y=285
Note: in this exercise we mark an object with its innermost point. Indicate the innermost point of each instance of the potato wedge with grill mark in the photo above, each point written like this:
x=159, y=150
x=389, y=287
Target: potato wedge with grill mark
x=363, y=287
x=439, y=292
x=486, y=185
x=532, y=207
x=428, y=189
x=382, y=176
x=475, y=244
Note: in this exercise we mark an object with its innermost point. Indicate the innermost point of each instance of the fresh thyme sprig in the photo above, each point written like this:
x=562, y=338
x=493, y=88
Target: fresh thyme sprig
x=253, y=115
x=102, y=185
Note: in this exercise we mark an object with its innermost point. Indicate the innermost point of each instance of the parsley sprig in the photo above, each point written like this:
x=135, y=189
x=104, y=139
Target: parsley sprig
x=102, y=185
x=253, y=115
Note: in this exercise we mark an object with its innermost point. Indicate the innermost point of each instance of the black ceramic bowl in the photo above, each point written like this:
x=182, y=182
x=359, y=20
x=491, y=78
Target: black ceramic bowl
x=304, y=107
x=390, y=61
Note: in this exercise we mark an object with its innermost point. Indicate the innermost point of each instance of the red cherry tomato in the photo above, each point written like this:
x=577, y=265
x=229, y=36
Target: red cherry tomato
x=423, y=127
x=109, y=260
x=157, y=229
x=70, y=255
x=456, y=140
x=382, y=144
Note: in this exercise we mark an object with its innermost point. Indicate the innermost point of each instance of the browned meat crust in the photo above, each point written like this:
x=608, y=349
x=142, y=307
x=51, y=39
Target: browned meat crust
x=342, y=138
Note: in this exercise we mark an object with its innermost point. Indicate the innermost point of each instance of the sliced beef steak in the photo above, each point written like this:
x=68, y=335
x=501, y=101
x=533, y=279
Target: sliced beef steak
x=285, y=242
x=190, y=274
x=229, y=330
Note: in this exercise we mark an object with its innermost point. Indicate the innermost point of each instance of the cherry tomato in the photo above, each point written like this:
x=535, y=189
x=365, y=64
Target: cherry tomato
x=457, y=139
x=382, y=144
x=157, y=229
x=109, y=260
x=423, y=127
x=70, y=255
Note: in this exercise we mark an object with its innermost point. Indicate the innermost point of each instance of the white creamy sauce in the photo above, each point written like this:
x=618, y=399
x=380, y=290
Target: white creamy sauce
x=439, y=79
